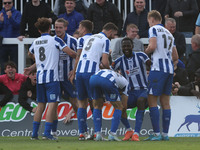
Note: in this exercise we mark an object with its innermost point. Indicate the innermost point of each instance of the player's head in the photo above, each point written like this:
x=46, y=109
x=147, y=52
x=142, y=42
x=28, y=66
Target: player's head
x=32, y=76
x=195, y=41
x=154, y=17
x=170, y=24
x=85, y=26
x=110, y=29
x=61, y=27
x=127, y=46
x=43, y=25
x=132, y=31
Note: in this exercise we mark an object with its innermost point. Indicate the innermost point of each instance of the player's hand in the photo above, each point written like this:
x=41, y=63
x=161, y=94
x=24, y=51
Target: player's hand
x=9, y=13
x=1, y=17
x=67, y=118
x=72, y=77
x=34, y=109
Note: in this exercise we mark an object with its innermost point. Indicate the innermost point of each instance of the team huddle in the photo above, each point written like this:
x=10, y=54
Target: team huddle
x=83, y=72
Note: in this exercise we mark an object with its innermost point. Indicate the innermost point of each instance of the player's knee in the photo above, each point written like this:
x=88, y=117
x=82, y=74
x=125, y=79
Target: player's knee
x=141, y=103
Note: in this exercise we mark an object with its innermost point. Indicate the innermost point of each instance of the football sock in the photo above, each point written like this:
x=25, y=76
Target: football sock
x=47, y=128
x=139, y=120
x=36, y=126
x=125, y=122
x=81, y=113
x=97, y=119
x=155, y=119
x=166, y=120
x=54, y=126
x=115, y=120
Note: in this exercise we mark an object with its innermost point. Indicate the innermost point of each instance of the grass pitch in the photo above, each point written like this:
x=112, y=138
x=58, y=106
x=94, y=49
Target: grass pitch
x=72, y=143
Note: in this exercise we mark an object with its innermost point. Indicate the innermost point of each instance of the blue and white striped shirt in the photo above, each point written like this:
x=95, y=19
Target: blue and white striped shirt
x=46, y=50
x=66, y=63
x=82, y=40
x=133, y=69
x=162, y=55
x=118, y=80
x=92, y=51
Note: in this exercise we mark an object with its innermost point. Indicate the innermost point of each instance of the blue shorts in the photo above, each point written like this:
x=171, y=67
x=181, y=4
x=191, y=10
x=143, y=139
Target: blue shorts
x=68, y=88
x=159, y=83
x=134, y=95
x=82, y=85
x=102, y=86
x=48, y=92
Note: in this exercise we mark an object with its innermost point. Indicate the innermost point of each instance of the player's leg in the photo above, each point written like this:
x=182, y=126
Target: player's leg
x=97, y=118
x=141, y=105
x=155, y=89
x=37, y=119
x=40, y=109
x=165, y=103
x=96, y=93
x=55, y=123
x=124, y=120
x=53, y=97
x=166, y=115
x=82, y=86
x=115, y=120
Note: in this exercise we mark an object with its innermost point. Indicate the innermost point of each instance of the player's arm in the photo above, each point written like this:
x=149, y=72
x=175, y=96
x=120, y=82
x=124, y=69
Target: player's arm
x=104, y=62
x=75, y=65
x=174, y=54
x=69, y=52
x=152, y=45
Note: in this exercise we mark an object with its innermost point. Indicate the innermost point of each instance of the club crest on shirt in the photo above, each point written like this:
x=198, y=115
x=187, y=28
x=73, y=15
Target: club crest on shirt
x=52, y=96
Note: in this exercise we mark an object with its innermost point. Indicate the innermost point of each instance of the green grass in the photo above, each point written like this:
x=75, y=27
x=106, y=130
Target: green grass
x=72, y=143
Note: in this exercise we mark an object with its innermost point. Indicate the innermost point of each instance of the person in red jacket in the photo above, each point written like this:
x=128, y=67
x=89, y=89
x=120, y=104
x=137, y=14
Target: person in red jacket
x=12, y=79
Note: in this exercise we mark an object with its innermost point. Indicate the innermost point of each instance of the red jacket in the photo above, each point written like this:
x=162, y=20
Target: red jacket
x=13, y=85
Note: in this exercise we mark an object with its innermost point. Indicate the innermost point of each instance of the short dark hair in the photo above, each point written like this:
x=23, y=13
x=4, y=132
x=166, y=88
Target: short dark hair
x=43, y=24
x=10, y=63
x=88, y=25
x=110, y=26
x=127, y=39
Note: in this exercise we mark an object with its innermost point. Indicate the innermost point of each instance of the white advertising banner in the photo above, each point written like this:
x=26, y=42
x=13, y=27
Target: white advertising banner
x=185, y=118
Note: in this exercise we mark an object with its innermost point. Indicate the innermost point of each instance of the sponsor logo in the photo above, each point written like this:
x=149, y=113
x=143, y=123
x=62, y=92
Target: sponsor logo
x=14, y=112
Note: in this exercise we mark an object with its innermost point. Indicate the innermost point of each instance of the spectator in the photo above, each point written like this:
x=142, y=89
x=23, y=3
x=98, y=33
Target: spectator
x=180, y=74
x=131, y=32
x=191, y=89
x=72, y=16
x=32, y=11
x=7, y=95
x=9, y=28
x=28, y=90
x=183, y=11
x=12, y=79
x=194, y=61
x=139, y=18
x=197, y=28
x=102, y=12
x=160, y=6
x=170, y=24
x=81, y=6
